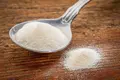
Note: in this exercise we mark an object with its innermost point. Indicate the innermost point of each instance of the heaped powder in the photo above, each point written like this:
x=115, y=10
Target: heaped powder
x=41, y=36
x=81, y=58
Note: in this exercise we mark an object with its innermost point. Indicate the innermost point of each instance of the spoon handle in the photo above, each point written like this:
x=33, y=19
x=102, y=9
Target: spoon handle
x=72, y=12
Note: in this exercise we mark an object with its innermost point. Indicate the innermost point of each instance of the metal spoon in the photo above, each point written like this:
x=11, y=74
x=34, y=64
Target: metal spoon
x=63, y=23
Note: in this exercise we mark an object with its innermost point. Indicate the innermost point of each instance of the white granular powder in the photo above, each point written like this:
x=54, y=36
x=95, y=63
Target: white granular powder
x=41, y=36
x=81, y=58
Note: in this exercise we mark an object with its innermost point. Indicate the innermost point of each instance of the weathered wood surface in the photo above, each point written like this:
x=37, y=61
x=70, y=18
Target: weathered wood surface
x=96, y=26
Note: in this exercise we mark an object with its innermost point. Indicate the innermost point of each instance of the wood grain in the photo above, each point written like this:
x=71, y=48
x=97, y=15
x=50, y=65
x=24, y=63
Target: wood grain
x=97, y=26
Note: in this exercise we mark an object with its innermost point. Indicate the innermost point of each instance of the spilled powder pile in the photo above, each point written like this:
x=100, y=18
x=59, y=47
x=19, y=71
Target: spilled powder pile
x=81, y=58
x=41, y=36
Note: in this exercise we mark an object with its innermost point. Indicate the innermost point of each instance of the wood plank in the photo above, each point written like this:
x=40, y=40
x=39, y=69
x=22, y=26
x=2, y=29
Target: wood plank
x=97, y=26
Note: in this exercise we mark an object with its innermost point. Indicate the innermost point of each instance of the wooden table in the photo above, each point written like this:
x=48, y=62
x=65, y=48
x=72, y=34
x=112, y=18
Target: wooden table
x=97, y=26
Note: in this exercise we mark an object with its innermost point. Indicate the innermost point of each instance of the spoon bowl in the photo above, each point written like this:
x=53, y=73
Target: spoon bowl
x=65, y=28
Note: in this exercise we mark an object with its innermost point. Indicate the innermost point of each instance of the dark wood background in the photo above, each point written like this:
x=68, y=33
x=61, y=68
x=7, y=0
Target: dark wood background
x=97, y=26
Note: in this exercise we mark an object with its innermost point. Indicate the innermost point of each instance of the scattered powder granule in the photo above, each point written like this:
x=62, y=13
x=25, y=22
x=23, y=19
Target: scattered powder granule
x=81, y=58
x=41, y=36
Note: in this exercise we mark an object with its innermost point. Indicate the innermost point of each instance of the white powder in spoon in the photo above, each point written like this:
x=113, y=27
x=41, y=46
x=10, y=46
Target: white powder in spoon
x=41, y=37
x=81, y=58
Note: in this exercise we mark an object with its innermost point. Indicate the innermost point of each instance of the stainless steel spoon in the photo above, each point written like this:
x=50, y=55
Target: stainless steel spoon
x=63, y=23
